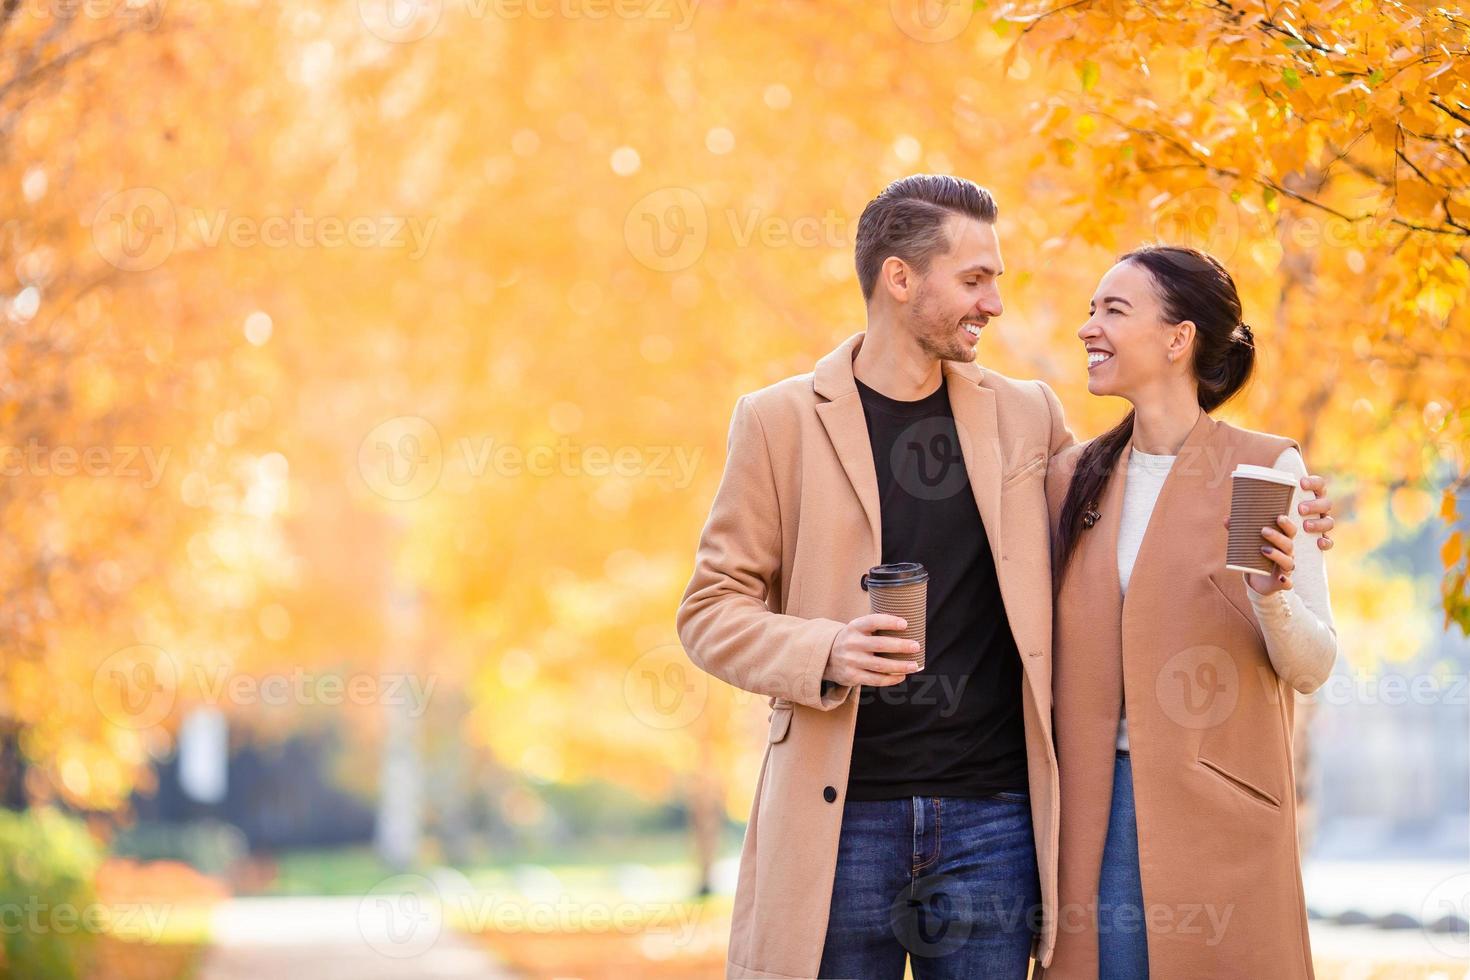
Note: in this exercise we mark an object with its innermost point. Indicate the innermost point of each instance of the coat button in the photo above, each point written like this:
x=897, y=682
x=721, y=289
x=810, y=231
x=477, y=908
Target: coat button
x=829, y=794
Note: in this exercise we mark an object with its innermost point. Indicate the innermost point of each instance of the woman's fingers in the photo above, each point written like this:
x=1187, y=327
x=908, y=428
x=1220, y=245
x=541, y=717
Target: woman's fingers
x=1281, y=541
x=1287, y=525
x=1281, y=558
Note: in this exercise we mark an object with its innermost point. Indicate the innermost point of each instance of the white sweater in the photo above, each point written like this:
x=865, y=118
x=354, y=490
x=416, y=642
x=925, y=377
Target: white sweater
x=1296, y=623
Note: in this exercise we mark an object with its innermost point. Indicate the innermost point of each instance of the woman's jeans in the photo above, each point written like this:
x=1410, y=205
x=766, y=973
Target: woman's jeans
x=950, y=881
x=1122, y=942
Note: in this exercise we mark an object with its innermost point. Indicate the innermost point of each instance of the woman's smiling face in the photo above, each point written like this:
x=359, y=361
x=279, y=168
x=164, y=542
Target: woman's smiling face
x=1126, y=334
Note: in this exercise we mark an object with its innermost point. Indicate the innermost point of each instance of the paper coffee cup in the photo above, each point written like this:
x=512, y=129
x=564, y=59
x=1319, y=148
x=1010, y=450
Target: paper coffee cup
x=1258, y=496
x=900, y=589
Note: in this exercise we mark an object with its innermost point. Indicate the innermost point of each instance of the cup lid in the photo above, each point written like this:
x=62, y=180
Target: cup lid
x=898, y=573
x=1250, y=472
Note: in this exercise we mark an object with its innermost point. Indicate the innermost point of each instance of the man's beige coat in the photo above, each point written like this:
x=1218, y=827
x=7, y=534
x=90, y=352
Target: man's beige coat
x=794, y=524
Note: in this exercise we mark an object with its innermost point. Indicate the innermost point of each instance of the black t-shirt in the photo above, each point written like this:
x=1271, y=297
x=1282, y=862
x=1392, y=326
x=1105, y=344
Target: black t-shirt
x=954, y=728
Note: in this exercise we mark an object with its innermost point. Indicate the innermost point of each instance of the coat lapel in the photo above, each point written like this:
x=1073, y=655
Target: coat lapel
x=847, y=427
x=1186, y=467
x=974, y=414
x=974, y=417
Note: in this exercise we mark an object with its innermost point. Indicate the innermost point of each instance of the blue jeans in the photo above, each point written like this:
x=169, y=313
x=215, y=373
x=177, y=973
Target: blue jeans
x=1122, y=942
x=951, y=882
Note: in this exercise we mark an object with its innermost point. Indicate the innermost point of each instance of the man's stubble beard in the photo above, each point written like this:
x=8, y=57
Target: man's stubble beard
x=936, y=335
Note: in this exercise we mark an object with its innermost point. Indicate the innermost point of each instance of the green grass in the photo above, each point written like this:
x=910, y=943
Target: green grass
x=589, y=861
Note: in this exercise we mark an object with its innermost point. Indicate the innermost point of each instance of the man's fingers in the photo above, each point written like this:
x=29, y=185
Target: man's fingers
x=878, y=621
x=883, y=665
x=1324, y=543
x=1319, y=525
x=885, y=644
x=1314, y=484
x=868, y=678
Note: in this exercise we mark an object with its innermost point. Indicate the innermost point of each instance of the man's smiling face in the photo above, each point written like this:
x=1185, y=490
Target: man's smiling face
x=958, y=295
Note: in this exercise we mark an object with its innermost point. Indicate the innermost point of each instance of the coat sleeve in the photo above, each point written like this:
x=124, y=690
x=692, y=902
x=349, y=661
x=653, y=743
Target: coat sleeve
x=725, y=620
x=1061, y=436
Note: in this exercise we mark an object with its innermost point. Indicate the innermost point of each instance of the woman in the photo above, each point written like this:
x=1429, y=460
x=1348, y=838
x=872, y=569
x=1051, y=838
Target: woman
x=1173, y=677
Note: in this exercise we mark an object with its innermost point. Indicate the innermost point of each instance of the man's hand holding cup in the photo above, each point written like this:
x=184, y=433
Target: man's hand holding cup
x=858, y=653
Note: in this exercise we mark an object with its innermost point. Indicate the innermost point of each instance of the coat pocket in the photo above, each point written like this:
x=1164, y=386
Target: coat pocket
x=780, y=723
x=1243, y=787
x=1031, y=466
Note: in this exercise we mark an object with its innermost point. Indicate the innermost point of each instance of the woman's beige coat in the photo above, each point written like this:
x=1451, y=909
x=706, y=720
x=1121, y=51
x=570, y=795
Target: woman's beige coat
x=794, y=524
x=1209, y=731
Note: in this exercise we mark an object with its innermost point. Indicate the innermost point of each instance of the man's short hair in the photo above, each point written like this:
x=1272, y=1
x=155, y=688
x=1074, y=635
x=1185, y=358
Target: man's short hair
x=907, y=220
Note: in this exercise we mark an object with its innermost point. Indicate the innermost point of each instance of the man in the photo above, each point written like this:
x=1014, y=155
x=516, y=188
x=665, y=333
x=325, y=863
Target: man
x=925, y=823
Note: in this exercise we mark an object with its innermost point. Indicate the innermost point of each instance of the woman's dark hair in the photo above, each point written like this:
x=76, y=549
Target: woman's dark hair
x=1193, y=286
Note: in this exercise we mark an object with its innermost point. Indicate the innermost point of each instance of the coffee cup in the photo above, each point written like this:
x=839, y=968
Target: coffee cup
x=1258, y=496
x=900, y=589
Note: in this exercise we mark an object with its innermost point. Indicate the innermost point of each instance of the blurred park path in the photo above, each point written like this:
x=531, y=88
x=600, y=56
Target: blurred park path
x=339, y=939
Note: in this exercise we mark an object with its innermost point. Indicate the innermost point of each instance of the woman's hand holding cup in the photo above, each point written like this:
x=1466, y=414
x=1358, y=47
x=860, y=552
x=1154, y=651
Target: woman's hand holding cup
x=1279, y=549
x=856, y=656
